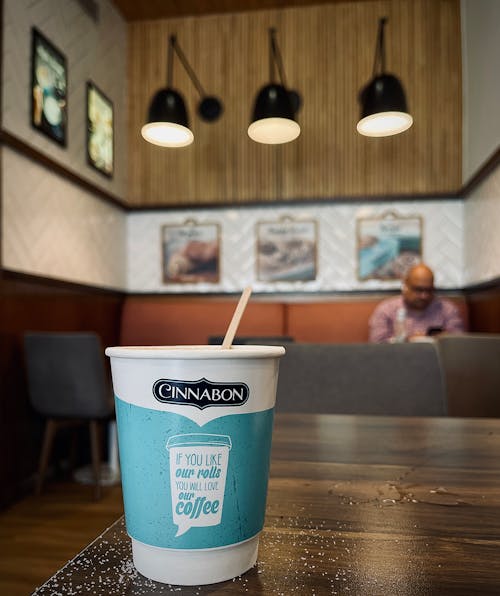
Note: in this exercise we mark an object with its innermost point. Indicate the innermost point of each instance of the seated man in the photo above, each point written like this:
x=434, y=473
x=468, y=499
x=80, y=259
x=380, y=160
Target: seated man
x=417, y=312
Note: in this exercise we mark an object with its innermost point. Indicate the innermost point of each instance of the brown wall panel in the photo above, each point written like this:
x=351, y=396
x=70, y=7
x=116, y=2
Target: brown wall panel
x=328, y=56
x=169, y=320
x=28, y=303
x=484, y=308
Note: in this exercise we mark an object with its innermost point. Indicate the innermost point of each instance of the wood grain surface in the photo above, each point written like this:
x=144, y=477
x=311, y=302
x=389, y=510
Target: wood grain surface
x=356, y=505
x=39, y=534
x=159, y=9
x=328, y=55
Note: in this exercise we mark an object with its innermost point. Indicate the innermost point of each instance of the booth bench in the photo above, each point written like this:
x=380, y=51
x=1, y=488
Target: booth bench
x=172, y=320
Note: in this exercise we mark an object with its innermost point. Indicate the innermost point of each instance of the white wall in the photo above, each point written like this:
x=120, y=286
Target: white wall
x=481, y=82
x=54, y=229
x=442, y=242
x=96, y=51
x=482, y=237
x=481, y=129
x=50, y=227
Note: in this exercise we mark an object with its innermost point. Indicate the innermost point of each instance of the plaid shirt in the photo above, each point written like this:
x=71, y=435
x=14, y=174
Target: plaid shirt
x=440, y=313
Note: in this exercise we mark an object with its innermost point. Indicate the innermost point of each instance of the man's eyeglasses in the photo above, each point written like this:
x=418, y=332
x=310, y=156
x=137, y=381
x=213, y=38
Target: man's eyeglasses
x=421, y=289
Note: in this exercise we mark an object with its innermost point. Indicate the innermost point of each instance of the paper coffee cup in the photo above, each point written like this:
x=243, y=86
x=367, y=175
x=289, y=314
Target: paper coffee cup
x=194, y=433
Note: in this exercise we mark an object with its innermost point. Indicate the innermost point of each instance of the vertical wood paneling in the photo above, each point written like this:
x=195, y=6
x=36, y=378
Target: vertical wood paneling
x=328, y=56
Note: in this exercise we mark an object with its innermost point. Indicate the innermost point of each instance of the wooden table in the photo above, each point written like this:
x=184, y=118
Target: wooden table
x=356, y=505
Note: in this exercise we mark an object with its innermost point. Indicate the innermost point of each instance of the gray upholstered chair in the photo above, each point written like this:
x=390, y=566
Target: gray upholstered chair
x=68, y=384
x=385, y=379
x=471, y=368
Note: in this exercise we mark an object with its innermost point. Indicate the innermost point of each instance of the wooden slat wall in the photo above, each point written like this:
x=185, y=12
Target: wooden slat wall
x=328, y=56
x=132, y=10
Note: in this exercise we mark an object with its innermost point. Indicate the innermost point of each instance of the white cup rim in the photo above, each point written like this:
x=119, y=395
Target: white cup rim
x=195, y=352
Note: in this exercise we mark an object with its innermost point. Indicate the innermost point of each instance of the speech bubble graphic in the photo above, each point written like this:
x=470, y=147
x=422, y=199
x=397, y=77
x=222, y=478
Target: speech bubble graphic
x=198, y=470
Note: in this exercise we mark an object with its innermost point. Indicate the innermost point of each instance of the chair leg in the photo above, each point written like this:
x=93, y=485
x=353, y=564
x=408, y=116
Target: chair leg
x=96, y=456
x=48, y=439
x=73, y=449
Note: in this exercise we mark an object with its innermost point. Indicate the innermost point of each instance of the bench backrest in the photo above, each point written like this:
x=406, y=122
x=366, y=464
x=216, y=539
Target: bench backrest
x=471, y=368
x=389, y=379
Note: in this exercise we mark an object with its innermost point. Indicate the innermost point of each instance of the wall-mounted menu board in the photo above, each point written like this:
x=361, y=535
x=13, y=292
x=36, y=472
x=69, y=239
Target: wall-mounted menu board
x=387, y=246
x=286, y=250
x=100, y=145
x=191, y=252
x=49, y=83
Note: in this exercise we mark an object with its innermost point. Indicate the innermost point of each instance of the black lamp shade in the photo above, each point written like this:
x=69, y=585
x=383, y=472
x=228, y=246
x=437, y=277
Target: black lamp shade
x=167, y=123
x=273, y=101
x=168, y=106
x=273, y=116
x=383, y=93
x=384, y=111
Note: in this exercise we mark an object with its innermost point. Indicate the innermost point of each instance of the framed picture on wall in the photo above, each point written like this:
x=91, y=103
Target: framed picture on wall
x=191, y=253
x=49, y=85
x=100, y=130
x=387, y=246
x=287, y=250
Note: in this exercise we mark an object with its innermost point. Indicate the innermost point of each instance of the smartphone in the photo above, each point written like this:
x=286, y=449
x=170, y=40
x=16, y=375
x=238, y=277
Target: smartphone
x=434, y=331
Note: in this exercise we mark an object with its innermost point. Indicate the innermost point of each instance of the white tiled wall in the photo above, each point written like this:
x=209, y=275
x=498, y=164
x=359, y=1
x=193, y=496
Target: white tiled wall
x=54, y=229
x=480, y=82
x=481, y=136
x=482, y=231
x=442, y=241
x=51, y=227
x=96, y=51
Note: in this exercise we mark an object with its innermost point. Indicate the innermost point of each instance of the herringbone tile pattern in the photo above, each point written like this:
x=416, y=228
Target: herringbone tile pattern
x=482, y=240
x=443, y=228
x=93, y=51
x=54, y=229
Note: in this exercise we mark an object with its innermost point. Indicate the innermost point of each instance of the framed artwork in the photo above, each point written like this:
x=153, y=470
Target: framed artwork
x=49, y=86
x=191, y=253
x=287, y=250
x=100, y=131
x=387, y=246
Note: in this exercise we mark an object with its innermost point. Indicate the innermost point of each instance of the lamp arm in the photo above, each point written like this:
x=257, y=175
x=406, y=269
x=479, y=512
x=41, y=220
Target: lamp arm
x=380, y=48
x=187, y=67
x=275, y=57
x=170, y=61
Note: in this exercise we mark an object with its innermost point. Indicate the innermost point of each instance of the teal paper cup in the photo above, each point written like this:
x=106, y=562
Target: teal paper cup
x=194, y=434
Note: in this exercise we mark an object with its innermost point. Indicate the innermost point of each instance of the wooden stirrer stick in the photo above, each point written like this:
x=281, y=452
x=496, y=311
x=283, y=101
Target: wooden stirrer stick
x=235, y=321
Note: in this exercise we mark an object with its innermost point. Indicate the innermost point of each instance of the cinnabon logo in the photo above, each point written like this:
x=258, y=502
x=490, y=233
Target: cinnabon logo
x=200, y=394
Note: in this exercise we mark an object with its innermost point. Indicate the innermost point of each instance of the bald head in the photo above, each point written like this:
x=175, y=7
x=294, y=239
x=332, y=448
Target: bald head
x=419, y=273
x=418, y=287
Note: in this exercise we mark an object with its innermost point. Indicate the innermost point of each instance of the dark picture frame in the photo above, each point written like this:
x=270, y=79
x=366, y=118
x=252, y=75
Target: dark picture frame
x=388, y=245
x=286, y=250
x=49, y=89
x=100, y=130
x=191, y=252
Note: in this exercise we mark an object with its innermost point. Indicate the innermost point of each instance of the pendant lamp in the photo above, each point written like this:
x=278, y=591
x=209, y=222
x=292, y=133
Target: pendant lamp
x=384, y=111
x=275, y=107
x=167, y=122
